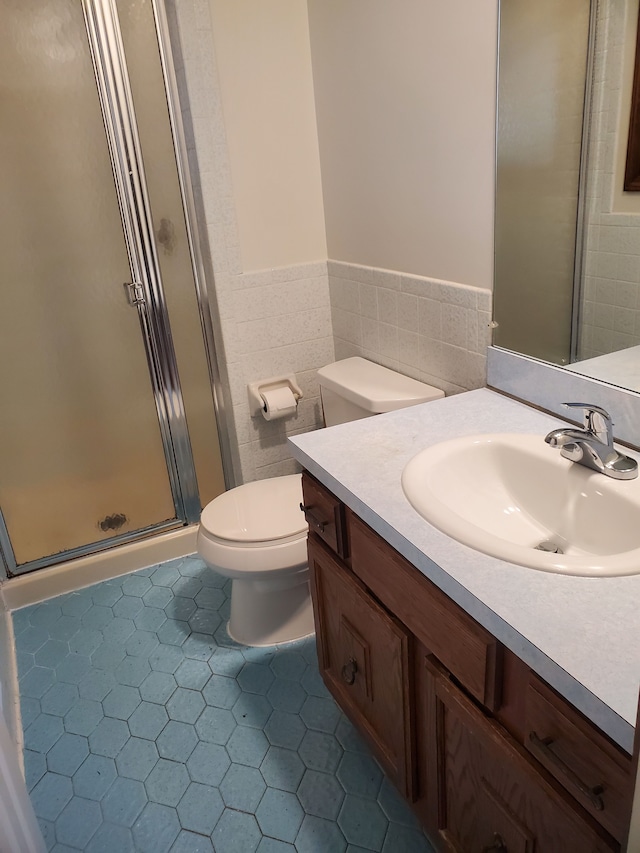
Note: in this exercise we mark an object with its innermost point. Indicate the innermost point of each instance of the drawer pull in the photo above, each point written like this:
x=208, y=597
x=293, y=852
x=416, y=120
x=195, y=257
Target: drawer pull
x=349, y=671
x=313, y=519
x=591, y=793
x=497, y=845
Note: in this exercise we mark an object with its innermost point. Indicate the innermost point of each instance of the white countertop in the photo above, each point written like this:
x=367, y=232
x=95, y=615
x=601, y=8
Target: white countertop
x=619, y=368
x=582, y=635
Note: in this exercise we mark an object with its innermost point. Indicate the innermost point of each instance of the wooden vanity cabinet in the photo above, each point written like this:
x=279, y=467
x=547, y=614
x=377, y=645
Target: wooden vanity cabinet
x=491, y=758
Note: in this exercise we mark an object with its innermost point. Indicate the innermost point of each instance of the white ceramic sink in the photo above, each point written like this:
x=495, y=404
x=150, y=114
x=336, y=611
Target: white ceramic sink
x=504, y=495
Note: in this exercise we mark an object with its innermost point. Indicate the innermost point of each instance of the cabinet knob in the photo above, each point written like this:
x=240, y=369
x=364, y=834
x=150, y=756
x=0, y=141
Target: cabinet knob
x=497, y=845
x=349, y=671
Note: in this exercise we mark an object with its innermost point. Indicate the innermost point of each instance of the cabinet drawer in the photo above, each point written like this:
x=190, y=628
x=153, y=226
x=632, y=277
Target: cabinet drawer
x=363, y=655
x=469, y=652
x=591, y=768
x=324, y=514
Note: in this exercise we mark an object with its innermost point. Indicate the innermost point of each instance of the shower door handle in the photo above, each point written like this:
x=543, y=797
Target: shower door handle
x=135, y=293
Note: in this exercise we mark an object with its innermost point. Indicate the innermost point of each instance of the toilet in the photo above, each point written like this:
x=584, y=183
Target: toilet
x=256, y=534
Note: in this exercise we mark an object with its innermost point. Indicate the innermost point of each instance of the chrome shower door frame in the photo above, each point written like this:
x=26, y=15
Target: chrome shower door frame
x=198, y=243
x=116, y=102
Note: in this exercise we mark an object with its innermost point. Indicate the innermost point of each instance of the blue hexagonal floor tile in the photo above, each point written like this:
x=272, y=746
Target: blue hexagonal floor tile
x=148, y=729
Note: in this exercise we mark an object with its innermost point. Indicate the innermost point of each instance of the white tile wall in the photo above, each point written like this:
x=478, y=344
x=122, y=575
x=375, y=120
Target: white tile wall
x=435, y=331
x=281, y=324
x=611, y=297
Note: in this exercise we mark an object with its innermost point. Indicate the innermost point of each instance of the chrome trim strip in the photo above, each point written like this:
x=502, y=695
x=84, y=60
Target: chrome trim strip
x=7, y=557
x=93, y=547
x=581, y=220
x=200, y=260
x=496, y=128
x=126, y=156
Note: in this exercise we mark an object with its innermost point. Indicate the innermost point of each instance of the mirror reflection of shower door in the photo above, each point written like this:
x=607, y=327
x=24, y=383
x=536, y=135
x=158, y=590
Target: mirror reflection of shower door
x=542, y=82
x=84, y=456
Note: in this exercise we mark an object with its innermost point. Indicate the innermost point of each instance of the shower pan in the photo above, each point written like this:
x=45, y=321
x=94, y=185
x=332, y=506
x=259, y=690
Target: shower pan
x=108, y=381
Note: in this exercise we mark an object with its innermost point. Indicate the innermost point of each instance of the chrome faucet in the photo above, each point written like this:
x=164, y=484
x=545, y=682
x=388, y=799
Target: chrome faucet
x=592, y=446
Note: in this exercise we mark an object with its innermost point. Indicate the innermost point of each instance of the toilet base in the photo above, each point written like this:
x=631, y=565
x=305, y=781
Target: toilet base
x=264, y=614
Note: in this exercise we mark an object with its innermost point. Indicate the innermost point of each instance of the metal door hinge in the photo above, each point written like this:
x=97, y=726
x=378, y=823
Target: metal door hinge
x=135, y=292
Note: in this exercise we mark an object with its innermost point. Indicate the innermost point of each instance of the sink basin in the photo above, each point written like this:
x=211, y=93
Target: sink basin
x=511, y=495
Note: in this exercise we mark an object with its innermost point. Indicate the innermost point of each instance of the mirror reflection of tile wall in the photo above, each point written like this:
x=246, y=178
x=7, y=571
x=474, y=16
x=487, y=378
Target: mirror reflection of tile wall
x=610, y=319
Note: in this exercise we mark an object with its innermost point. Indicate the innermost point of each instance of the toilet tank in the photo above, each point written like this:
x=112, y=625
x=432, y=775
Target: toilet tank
x=357, y=388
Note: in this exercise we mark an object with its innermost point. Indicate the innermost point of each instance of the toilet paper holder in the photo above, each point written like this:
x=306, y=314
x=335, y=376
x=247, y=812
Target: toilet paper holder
x=256, y=389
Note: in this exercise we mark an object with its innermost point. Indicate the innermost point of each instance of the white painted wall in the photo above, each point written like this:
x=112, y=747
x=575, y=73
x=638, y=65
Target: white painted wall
x=405, y=104
x=19, y=832
x=264, y=71
x=9, y=708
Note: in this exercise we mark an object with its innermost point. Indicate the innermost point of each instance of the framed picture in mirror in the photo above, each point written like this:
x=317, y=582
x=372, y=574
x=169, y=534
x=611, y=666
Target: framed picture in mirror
x=632, y=169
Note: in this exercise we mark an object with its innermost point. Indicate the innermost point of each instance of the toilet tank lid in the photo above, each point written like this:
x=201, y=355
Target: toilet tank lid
x=373, y=387
x=261, y=511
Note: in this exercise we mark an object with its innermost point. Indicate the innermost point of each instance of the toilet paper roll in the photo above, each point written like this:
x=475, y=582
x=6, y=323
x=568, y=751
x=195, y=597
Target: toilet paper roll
x=278, y=403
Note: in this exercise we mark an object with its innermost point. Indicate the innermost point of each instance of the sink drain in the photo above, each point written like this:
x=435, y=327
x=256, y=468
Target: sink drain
x=549, y=546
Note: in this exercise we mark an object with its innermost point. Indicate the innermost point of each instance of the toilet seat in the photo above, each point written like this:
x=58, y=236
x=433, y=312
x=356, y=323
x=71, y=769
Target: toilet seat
x=260, y=513
x=257, y=528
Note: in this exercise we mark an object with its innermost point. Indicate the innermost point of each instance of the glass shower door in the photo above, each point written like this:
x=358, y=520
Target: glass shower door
x=82, y=455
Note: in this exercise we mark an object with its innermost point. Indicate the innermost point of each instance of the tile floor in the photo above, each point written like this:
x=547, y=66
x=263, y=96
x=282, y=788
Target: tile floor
x=147, y=729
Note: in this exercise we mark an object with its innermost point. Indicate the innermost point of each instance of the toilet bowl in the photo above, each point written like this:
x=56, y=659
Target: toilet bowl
x=256, y=534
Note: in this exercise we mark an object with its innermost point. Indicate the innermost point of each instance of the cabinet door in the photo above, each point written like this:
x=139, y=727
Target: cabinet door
x=364, y=658
x=490, y=797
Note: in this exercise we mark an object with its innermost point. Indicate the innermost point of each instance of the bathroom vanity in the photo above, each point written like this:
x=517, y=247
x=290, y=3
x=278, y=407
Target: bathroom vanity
x=500, y=699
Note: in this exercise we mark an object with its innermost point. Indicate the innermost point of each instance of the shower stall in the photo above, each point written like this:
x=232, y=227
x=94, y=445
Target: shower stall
x=109, y=388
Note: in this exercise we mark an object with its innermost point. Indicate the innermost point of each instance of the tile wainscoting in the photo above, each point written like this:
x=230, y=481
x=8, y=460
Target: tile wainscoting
x=435, y=331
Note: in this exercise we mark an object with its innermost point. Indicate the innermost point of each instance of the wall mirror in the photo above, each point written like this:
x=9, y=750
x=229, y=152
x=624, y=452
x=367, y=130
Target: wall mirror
x=567, y=265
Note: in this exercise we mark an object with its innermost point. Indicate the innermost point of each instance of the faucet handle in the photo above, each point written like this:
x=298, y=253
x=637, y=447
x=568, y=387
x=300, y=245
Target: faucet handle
x=589, y=407
x=602, y=427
